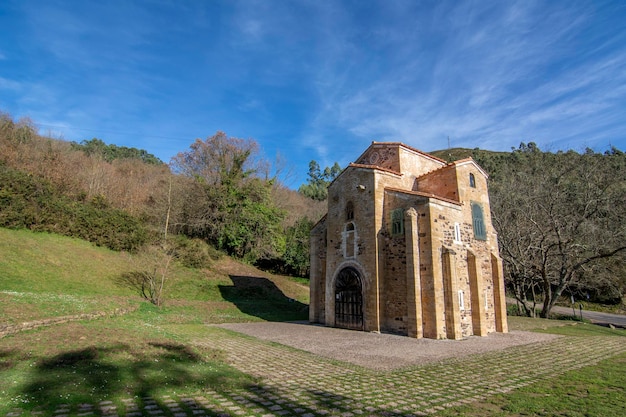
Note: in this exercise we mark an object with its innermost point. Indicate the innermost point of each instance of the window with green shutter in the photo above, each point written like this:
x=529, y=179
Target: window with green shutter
x=478, y=221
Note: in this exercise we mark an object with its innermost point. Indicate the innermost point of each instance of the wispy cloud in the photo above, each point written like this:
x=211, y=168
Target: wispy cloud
x=6, y=84
x=320, y=80
x=500, y=75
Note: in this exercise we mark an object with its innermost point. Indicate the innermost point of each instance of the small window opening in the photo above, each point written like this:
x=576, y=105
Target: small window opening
x=349, y=240
x=472, y=181
x=457, y=233
x=350, y=211
x=461, y=300
x=397, y=222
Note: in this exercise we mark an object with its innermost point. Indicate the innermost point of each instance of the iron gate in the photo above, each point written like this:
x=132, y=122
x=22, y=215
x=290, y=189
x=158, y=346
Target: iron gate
x=349, y=300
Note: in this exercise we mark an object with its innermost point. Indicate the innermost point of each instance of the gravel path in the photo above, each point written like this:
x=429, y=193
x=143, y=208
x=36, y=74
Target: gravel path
x=379, y=351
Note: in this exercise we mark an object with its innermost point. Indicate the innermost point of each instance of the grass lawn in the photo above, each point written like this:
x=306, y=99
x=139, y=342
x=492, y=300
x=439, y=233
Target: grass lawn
x=112, y=359
x=44, y=275
x=591, y=391
x=150, y=353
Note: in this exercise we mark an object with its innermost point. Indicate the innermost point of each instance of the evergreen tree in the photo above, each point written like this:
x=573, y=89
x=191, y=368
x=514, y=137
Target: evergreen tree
x=317, y=184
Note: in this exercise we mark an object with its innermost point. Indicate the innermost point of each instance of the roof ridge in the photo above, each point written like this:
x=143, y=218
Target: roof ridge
x=404, y=145
x=423, y=194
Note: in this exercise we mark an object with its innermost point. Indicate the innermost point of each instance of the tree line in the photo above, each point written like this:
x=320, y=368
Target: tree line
x=216, y=196
x=561, y=223
x=559, y=216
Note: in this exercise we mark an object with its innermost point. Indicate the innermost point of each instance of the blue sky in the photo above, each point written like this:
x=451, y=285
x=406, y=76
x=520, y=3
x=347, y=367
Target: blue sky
x=318, y=79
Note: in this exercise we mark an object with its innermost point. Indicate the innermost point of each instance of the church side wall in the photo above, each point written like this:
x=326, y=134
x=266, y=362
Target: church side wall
x=435, y=232
x=483, y=250
x=317, y=277
x=393, y=267
x=445, y=217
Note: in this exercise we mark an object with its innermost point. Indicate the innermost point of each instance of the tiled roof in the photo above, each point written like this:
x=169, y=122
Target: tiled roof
x=422, y=194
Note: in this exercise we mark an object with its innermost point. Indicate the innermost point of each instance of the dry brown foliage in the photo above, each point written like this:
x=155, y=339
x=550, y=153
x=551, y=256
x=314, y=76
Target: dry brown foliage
x=128, y=184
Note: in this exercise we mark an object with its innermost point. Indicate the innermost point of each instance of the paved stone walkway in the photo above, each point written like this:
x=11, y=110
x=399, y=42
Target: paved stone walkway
x=297, y=383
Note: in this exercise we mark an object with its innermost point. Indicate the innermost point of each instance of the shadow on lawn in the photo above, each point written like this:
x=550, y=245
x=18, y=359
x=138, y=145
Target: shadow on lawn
x=313, y=402
x=167, y=372
x=7, y=359
x=260, y=297
x=93, y=374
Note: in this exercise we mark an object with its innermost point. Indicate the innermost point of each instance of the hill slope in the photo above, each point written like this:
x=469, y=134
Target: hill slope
x=455, y=154
x=46, y=275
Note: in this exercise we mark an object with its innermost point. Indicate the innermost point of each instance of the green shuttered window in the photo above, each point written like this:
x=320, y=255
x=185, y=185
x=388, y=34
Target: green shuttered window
x=478, y=221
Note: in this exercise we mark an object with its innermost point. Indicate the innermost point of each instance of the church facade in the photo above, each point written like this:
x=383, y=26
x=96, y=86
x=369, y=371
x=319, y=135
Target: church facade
x=407, y=246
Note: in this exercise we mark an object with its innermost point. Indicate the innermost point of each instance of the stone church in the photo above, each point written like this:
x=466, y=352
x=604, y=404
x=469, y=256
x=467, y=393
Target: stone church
x=407, y=247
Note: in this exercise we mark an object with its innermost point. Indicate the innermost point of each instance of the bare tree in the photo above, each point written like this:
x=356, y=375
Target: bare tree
x=558, y=216
x=153, y=264
x=218, y=159
x=150, y=275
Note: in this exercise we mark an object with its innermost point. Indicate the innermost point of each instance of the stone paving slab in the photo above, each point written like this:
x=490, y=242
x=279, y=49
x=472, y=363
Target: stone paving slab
x=380, y=351
x=299, y=383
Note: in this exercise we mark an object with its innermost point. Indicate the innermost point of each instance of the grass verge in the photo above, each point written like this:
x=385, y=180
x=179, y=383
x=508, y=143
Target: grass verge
x=591, y=391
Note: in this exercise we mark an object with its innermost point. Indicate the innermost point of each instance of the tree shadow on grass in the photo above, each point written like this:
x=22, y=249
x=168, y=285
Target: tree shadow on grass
x=7, y=359
x=315, y=402
x=165, y=372
x=260, y=297
x=121, y=371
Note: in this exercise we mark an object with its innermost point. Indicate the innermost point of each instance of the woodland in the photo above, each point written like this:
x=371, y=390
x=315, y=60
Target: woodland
x=561, y=223
x=559, y=215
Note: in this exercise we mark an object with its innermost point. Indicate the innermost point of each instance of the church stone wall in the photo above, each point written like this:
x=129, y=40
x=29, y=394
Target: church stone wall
x=434, y=279
x=414, y=164
x=393, y=267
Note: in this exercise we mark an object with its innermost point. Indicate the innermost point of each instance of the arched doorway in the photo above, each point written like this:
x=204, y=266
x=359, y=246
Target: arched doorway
x=349, y=300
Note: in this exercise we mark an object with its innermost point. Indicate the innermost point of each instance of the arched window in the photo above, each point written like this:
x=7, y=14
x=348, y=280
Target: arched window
x=349, y=211
x=349, y=241
x=472, y=181
x=397, y=222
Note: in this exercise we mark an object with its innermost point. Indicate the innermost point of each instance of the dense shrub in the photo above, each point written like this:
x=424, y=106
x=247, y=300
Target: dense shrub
x=32, y=203
x=193, y=253
x=295, y=259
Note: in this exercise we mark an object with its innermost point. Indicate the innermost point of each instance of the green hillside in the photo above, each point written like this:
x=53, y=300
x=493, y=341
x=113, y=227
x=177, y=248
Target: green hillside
x=456, y=154
x=141, y=348
x=55, y=275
